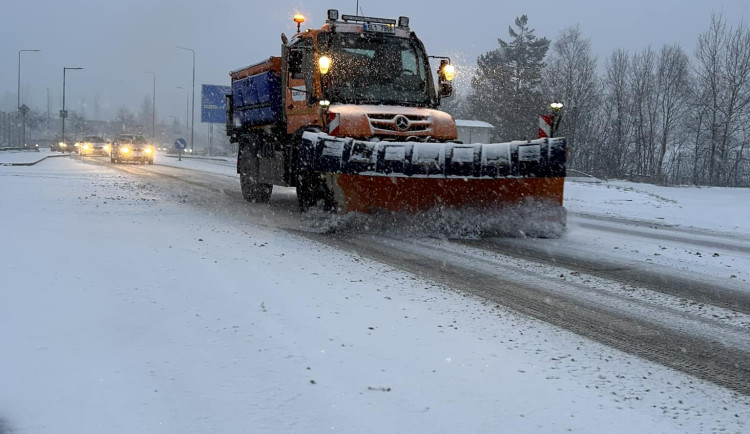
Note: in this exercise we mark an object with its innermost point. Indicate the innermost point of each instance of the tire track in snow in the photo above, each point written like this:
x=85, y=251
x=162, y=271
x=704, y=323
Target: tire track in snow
x=701, y=356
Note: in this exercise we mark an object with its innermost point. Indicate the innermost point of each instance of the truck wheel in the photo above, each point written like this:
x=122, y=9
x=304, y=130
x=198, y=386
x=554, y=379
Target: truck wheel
x=312, y=191
x=252, y=190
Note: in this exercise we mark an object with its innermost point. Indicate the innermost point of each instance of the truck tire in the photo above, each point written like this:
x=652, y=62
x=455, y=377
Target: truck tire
x=312, y=190
x=252, y=190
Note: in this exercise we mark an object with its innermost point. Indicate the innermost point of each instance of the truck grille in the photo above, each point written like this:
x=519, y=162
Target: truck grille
x=390, y=123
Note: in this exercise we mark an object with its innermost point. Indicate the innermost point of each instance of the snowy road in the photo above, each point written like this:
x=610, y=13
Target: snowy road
x=696, y=338
x=613, y=280
x=154, y=299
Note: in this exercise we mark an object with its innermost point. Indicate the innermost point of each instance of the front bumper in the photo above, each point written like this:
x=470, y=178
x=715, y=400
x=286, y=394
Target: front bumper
x=135, y=156
x=95, y=152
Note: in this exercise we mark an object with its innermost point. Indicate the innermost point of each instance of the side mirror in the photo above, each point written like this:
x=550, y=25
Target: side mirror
x=445, y=89
x=445, y=72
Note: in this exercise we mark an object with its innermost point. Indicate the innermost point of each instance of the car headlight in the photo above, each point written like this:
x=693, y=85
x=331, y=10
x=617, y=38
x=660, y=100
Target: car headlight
x=148, y=150
x=124, y=150
x=85, y=147
x=63, y=145
x=106, y=148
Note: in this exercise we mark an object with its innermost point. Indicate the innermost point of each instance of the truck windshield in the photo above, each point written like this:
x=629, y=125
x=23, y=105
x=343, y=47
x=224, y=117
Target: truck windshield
x=376, y=69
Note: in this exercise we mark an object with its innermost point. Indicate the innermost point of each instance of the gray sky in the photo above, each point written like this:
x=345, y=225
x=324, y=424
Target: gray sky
x=116, y=40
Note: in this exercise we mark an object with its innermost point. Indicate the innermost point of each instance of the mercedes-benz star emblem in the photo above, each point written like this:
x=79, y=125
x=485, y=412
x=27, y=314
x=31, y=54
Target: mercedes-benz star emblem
x=402, y=122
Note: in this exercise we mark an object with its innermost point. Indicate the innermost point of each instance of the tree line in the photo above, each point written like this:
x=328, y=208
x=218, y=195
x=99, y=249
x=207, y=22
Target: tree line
x=659, y=115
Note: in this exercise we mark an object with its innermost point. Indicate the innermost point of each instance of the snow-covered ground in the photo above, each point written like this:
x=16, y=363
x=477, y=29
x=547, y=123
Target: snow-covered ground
x=713, y=209
x=123, y=310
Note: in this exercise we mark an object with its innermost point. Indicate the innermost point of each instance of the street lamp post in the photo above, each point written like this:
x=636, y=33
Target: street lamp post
x=63, y=113
x=18, y=105
x=192, y=121
x=556, y=117
x=187, y=107
x=19, y=74
x=153, y=106
x=48, y=108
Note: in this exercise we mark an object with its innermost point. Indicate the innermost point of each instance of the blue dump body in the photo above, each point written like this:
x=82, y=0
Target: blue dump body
x=257, y=99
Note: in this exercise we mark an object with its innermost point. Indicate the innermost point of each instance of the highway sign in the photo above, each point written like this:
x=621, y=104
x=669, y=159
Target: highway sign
x=214, y=103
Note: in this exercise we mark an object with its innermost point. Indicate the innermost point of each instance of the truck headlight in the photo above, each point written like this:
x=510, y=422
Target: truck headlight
x=148, y=150
x=324, y=64
x=85, y=147
x=124, y=150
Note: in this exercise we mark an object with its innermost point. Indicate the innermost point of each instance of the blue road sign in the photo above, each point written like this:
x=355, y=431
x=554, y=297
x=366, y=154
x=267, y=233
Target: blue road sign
x=214, y=103
x=180, y=143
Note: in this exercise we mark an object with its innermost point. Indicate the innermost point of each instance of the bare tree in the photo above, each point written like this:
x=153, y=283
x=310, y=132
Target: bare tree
x=571, y=78
x=708, y=70
x=146, y=111
x=723, y=79
x=737, y=103
x=642, y=80
x=125, y=119
x=617, y=123
x=672, y=93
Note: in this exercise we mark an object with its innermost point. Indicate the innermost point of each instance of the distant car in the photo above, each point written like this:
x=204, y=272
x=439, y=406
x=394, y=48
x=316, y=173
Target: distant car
x=60, y=146
x=131, y=147
x=93, y=145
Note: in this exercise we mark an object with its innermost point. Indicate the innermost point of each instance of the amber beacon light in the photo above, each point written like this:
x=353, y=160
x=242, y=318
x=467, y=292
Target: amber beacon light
x=299, y=19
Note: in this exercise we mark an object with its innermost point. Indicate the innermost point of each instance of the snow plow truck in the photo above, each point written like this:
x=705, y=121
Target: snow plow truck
x=348, y=114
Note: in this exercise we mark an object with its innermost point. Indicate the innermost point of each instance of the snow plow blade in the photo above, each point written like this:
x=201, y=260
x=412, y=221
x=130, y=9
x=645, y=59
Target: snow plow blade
x=365, y=177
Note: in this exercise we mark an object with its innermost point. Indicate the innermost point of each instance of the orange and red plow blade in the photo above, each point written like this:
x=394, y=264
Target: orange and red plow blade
x=366, y=176
x=367, y=194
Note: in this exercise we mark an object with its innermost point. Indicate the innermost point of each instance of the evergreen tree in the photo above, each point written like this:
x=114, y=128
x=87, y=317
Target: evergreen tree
x=507, y=84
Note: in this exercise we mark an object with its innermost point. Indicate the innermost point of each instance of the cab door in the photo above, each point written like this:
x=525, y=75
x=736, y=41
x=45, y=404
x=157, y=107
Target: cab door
x=301, y=104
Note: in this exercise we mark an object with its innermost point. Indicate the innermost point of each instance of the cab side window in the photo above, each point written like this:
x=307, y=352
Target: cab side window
x=301, y=63
x=296, y=56
x=301, y=59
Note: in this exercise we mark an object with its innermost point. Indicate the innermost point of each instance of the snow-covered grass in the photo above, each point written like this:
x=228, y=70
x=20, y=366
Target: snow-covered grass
x=714, y=209
x=25, y=157
x=122, y=310
x=696, y=232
